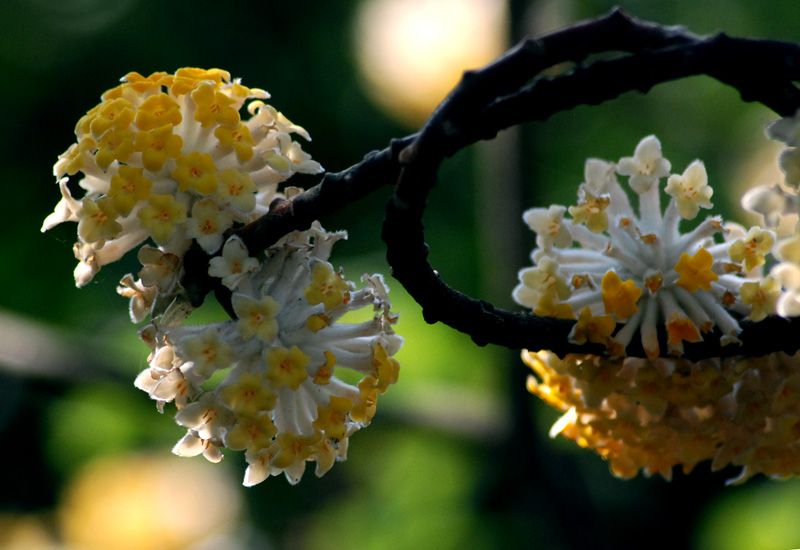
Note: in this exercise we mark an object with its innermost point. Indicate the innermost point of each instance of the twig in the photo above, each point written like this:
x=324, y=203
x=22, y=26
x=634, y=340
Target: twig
x=508, y=92
x=512, y=91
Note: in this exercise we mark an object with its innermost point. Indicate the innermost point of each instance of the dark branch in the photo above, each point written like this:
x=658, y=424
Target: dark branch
x=377, y=169
x=511, y=91
x=486, y=101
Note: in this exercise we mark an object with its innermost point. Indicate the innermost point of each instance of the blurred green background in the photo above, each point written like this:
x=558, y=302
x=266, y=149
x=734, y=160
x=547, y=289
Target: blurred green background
x=457, y=456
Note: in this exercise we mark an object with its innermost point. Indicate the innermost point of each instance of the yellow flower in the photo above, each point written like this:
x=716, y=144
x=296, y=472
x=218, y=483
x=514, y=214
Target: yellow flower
x=596, y=330
x=157, y=145
x=752, y=248
x=695, y=271
x=325, y=372
x=248, y=395
x=156, y=111
x=208, y=351
x=196, y=170
x=326, y=287
x=116, y=113
x=127, y=188
x=214, y=107
x=365, y=409
x=619, y=298
x=591, y=211
x=761, y=296
x=680, y=329
x=332, y=419
x=161, y=215
x=286, y=367
x=293, y=448
x=114, y=145
x=139, y=83
x=539, y=281
x=97, y=220
x=238, y=189
x=73, y=160
x=208, y=224
x=388, y=368
x=256, y=317
x=189, y=78
x=251, y=432
x=239, y=138
x=547, y=306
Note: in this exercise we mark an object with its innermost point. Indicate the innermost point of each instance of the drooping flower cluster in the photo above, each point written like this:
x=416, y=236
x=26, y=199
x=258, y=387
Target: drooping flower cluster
x=651, y=415
x=637, y=269
x=280, y=399
x=777, y=201
x=169, y=157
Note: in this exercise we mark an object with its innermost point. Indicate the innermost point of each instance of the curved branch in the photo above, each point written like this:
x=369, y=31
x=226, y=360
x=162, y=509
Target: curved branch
x=508, y=92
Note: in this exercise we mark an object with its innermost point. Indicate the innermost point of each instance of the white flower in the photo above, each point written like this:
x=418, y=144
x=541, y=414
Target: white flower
x=207, y=224
x=646, y=166
x=234, y=264
x=548, y=224
x=690, y=190
x=597, y=175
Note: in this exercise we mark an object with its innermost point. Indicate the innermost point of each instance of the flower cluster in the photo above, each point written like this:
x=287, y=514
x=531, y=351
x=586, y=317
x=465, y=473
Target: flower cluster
x=651, y=415
x=278, y=397
x=777, y=201
x=169, y=157
x=637, y=269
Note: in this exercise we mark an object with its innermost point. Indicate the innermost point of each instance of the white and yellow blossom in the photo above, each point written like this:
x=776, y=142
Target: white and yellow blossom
x=234, y=264
x=636, y=268
x=653, y=415
x=690, y=190
x=158, y=146
x=169, y=158
x=548, y=224
x=646, y=166
x=280, y=398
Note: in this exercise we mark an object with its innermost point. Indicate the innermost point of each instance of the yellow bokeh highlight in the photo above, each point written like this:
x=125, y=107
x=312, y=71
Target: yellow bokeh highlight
x=139, y=502
x=411, y=53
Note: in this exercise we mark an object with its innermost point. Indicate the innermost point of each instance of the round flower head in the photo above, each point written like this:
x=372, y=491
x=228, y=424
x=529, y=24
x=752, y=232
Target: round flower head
x=636, y=268
x=651, y=415
x=279, y=397
x=170, y=157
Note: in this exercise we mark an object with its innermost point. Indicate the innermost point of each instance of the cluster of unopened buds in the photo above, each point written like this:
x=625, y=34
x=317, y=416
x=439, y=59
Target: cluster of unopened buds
x=633, y=272
x=168, y=158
